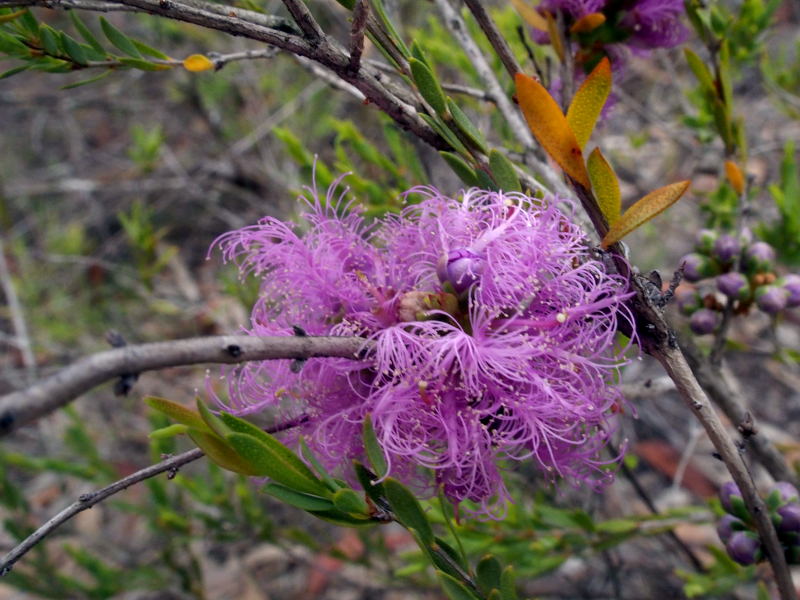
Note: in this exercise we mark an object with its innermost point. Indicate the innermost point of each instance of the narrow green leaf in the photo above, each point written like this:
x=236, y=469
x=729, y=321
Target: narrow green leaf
x=645, y=209
x=373, y=448
x=29, y=22
x=349, y=501
x=418, y=53
x=454, y=589
x=445, y=550
x=143, y=65
x=278, y=463
x=605, y=186
x=428, y=86
x=146, y=50
x=298, y=499
x=86, y=33
x=9, y=44
x=461, y=168
x=322, y=472
x=5, y=18
x=503, y=171
x=49, y=40
x=339, y=518
x=408, y=509
x=214, y=423
x=508, y=588
x=69, y=86
x=699, y=69
x=445, y=132
x=177, y=412
x=588, y=102
x=14, y=71
x=485, y=182
x=73, y=49
x=221, y=453
x=169, y=431
x=617, y=526
x=494, y=595
x=488, y=573
x=461, y=120
x=365, y=478
x=119, y=39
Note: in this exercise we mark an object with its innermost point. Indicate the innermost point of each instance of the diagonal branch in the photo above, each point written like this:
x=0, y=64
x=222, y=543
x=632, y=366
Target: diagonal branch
x=24, y=406
x=305, y=20
x=357, y=31
x=494, y=36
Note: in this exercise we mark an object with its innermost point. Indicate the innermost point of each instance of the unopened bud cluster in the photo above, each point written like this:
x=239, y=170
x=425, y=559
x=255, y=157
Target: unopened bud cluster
x=737, y=531
x=742, y=272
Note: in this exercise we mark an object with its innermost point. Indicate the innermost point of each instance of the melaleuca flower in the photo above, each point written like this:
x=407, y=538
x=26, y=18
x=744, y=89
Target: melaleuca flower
x=492, y=328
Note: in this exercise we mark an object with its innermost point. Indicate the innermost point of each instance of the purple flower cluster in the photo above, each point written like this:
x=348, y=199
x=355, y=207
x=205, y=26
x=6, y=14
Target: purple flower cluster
x=737, y=532
x=743, y=274
x=630, y=26
x=493, y=330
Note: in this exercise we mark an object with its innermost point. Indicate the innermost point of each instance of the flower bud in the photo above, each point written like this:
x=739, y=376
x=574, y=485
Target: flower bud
x=688, y=299
x=697, y=267
x=772, y=299
x=744, y=547
x=704, y=321
x=705, y=241
x=733, y=285
x=791, y=283
x=726, y=248
x=727, y=525
x=460, y=268
x=786, y=490
x=758, y=257
x=789, y=518
x=727, y=493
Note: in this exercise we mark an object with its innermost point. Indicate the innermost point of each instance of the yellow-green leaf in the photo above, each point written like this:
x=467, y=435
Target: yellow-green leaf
x=178, y=412
x=222, y=453
x=197, y=63
x=530, y=14
x=645, y=209
x=735, y=176
x=586, y=105
x=605, y=185
x=550, y=127
x=11, y=16
x=588, y=23
x=555, y=36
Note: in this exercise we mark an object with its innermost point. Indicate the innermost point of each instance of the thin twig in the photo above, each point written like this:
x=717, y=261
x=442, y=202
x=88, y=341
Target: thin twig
x=23, y=406
x=305, y=20
x=494, y=36
x=23, y=340
x=84, y=501
x=357, y=30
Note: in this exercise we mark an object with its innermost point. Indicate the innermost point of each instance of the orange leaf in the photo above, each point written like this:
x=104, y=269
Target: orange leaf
x=645, y=209
x=588, y=23
x=530, y=14
x=605, y=185
x=549, y=125
x=735, y=176
x=586, y=105
x=555, y=36
x=197, y=62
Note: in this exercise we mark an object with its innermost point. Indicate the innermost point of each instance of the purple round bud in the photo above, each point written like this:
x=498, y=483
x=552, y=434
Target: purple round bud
x=733, y=285
x=725, y=527
x=758, y=257
x=791, y=283
x=786, y=490
x=696, y=267
x=729, y=490
x=744, y=547
x=460, y=268
x=772, y=299
x=688, y=299
x=726, y=248
x=705, y=241
x=790, y=518
x=704, y=321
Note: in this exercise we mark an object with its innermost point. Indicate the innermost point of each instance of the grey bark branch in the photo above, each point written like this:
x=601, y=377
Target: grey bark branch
x=170, y=465
x=494, y=36
x=24, y=406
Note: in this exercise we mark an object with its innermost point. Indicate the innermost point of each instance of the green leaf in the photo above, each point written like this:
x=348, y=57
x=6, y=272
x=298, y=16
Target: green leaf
x=339, y=518
x=69, y=86
x=119, y=39
x=177, y=412
x=503, y=171
x=143, y=65
x=450, y=554
x=408, y=509
x=11, y=45
x=169, y=431
x=454, y=589
x=49, y=40
x=14, y=71
x=588, y=102
x=508, y=588
x=373, y=448
x=146, y=50
x=645, y=209
x=221, y=453
x=461, y=168
x=445, y=132
x=74, y=49
x=365, y=478
x=277, y=462
x=349, y=501
x=605, y=186
x=418, y=53
x=298, y=499
x=214, y=423
x=488, y=573
x=428, y=86
x=5, y=18
x=306, y=453
x=617, y=526
x=29, y=22
x=699, y=69
x=86, y=33
x=461, y=120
